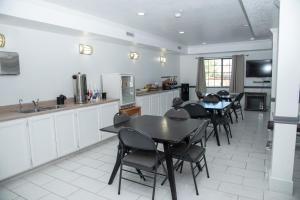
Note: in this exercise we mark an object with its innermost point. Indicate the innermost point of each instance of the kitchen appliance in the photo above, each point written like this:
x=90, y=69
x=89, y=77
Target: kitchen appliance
x=80, y=88
x=9, y=63
x=169, y=82
x=120, y=86
x=185, y=93
x=60, y=100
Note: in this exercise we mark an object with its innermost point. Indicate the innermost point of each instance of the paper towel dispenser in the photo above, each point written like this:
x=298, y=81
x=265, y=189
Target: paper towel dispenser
x=9, y=63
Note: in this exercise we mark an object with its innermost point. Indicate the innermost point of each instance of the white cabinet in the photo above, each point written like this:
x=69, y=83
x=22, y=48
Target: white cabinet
x=155, y=104
x=42, y=139
x=87, y=120
x=144, y=103
x=106, y=116
x=14, y=148
x=176, y=93
x=65, y=129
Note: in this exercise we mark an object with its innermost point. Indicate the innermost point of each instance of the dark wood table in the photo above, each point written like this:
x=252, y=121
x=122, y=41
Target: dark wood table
x=163, y=130
x=215, y=108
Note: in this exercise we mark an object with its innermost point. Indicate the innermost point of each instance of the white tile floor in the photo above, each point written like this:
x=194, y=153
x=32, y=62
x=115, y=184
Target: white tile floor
x=238, y=172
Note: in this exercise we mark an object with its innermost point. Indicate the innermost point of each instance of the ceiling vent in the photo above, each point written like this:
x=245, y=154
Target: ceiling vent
x=129, y=34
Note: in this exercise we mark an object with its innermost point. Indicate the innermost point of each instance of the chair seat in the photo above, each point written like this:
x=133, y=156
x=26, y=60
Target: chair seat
x=144, y=160
x=193, y=154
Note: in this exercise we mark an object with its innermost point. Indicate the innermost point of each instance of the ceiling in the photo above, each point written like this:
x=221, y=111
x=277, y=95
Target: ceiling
x=203, y=21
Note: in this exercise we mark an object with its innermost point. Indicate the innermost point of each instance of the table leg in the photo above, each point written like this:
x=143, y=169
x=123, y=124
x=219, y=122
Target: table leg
x=170, y=170
x=216, y=131
x=116, y=167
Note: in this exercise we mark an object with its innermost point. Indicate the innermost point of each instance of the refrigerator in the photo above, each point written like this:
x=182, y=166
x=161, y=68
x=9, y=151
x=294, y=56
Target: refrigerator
x=120, y=86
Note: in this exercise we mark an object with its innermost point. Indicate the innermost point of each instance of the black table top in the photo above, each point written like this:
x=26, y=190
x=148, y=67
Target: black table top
x=162, y=129
x=215, y=106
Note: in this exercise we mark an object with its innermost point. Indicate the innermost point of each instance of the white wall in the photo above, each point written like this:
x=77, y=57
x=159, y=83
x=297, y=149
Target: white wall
x=48, y=60
x=188, y=68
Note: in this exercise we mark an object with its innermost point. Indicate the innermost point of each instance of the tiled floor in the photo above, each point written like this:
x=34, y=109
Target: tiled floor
x=238, y=172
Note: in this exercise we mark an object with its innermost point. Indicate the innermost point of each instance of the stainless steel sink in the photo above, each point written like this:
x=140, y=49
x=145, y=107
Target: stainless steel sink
x=41, y=109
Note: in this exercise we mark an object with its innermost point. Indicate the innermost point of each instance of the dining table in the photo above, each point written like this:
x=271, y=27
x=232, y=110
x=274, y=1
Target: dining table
x=215, y=109
x=166, y=131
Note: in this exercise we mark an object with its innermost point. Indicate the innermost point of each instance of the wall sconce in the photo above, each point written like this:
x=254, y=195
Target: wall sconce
x=162, y=60
x=134, y=55
x=2, y=40
x=85, y=49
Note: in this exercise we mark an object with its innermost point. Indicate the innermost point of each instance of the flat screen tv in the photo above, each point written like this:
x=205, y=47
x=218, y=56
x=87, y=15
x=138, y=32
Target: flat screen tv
x=259, y=68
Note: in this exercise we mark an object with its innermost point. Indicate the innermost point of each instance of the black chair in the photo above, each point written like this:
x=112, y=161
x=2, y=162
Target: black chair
x=222, y=93
x=196, y=111
x=223, y=119
x=177, y=114
x=177, y=102
x=144, y=155
x=212, y=98
x=237, y=107
x=192, y=153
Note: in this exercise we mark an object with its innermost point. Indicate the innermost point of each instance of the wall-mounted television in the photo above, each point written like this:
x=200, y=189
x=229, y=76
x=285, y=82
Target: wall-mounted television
x=259, y=68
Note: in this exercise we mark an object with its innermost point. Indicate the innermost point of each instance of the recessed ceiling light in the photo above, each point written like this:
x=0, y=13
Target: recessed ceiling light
x=140, y=13
x=252, y=38
x=177, y=15
x=245, y=25
x=204, y=43
x=181, y=32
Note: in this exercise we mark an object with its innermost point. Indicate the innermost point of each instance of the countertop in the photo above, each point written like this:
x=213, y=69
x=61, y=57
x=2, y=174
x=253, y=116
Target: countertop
x=138, y=94
x=10, y=112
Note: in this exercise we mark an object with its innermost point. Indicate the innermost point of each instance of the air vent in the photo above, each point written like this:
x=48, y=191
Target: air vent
x=179, y=47
x=129, y=34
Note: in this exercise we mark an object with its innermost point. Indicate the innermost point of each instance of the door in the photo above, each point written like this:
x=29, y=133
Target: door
x=42, y=139
x=14, y=148
x=65, y=128
x=144, y=103
x=155, y=104
x=88, y=132
x=107, y=113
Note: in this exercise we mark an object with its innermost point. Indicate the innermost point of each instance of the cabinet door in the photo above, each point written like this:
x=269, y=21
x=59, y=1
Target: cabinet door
x=169, y=100
x=163, y=103
x=107, y=113
x=42, y=139
x=14, y=148
x=155, y=104
x=88, y=132
x=176, y=93
x=65, y=128
x=144, y=103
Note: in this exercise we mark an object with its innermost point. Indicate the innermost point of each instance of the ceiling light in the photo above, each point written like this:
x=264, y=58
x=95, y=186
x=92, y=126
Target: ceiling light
x=181, y=32
x=204, y=43
x=245, y=25
x=2, y=40
x=162, y=60
x=134, y=55
x=177, y=15
x=252, y=38
x=85, y=49
x=140, y=13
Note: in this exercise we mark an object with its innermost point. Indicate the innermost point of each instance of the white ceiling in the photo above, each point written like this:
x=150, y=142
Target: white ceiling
x=209, y=21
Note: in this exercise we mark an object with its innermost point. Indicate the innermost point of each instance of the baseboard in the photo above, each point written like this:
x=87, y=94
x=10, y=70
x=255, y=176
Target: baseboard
x=280, y=185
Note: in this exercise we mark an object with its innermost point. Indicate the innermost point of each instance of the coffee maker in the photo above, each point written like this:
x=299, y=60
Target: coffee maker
x=80, y=88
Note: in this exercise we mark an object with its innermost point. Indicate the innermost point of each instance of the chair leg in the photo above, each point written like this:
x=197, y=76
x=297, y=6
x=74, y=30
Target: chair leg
x=229, y=130
x=194, y=178
x=154, y=183
x=227, y=133
x=205, y=163
x=242, y=114
x=236, y=116
x=165, y=170
x=230, y=117
x=199, y=166
x=120, y=178
x=141, y=174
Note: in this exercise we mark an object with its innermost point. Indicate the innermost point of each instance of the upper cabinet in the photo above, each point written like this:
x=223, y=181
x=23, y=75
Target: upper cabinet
x=66, y=136
x=14, y=148
x=42, y=139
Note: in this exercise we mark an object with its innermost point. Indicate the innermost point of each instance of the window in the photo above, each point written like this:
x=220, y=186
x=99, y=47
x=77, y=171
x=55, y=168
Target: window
x=218, y=72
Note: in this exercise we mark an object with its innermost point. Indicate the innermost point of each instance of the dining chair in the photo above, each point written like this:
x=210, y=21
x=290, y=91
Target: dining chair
x=145, y=156
x=193, y=153
x=212, y=98
x=222, y=93
x=178, y=113
x=177, y=102
x=223, y=119
x=237, y=107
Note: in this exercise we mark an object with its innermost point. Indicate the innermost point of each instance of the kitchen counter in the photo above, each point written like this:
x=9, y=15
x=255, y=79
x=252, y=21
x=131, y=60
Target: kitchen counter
x=10, y=112
x=138, y=94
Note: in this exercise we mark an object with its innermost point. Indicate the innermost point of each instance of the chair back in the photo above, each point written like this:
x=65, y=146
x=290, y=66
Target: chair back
x=195, y=110
x=239, y=97
x=199, y=134
x=223, y=93
x=120, y=118
x=212, y=98
x=177, y=114
x=133, y=139
x=177, y=102
x=199, y=95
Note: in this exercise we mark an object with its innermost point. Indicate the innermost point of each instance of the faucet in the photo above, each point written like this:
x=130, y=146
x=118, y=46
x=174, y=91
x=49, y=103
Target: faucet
x=36, y=105
x=20, y=105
